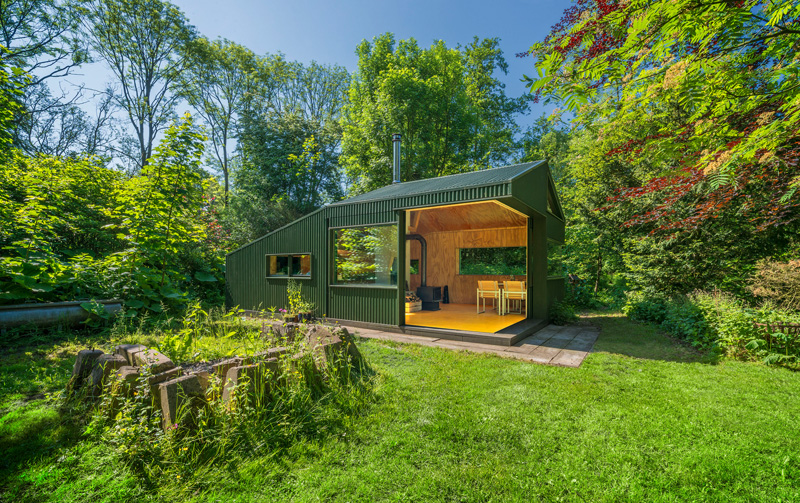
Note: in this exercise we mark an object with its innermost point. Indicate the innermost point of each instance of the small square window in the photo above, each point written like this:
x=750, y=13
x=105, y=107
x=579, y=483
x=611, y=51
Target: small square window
x=278, y=265
x=414, y=269
x=301, y=265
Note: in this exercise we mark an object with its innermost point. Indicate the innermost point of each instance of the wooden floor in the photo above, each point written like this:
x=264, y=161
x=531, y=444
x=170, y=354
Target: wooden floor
x=463, y=317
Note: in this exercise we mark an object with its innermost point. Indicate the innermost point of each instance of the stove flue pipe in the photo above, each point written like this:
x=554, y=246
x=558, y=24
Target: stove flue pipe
x=423, y=260
x=396, y=158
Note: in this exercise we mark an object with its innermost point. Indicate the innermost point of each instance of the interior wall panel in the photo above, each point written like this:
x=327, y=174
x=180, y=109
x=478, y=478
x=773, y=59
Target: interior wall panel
x=443, y=259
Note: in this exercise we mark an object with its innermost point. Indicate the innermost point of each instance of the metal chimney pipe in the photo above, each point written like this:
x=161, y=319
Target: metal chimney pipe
x=396, y=149
x=423, y=258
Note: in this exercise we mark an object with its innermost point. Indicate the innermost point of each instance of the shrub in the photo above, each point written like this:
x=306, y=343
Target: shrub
x=721, y=322
x=686, y=319
x=641, y=307
x=580, y=294
x=561, y=313
x=778, y=282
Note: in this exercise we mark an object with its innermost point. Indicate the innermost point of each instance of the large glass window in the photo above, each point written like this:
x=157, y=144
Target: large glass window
x=366, y=255
x=508, y=260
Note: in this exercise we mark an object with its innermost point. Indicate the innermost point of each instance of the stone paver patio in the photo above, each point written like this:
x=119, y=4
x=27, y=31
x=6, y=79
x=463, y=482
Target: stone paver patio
x=553, y=345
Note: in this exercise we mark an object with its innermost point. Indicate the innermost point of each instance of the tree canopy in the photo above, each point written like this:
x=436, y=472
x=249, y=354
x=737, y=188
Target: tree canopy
x=685, y=139
x=706, y=91
x=143, y=43
x=448, y=104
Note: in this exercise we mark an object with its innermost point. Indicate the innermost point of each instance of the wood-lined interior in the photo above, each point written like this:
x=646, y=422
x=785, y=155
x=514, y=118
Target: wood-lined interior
x=447, y=229
x=468, y=216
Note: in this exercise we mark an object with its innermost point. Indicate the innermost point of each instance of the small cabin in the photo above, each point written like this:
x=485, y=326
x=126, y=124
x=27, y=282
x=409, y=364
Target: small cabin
x=473, y=256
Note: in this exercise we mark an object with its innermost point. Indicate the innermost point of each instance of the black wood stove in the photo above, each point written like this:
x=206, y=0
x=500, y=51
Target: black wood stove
x=430, y=296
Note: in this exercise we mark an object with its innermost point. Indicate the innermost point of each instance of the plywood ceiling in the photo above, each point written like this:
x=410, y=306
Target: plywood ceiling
x=470, y=216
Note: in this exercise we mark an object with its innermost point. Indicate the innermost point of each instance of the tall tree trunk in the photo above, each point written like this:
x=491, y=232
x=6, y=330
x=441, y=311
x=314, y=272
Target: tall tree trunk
x=599, y=270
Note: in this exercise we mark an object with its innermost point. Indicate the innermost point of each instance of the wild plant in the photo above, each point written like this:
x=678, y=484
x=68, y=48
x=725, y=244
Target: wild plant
x=269, y=411
x=297, y=303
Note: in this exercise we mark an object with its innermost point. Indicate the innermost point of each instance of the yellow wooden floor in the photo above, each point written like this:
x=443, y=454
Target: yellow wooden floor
x=463, y=317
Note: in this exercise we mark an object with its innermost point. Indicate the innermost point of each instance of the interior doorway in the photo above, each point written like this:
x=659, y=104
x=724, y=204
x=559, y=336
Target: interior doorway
x=453, y=250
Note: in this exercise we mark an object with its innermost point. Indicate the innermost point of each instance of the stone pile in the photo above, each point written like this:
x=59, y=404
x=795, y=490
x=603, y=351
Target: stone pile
x=174, y=389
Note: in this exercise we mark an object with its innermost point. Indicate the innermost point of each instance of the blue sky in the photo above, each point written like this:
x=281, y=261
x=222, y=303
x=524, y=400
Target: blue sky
x=328, y=31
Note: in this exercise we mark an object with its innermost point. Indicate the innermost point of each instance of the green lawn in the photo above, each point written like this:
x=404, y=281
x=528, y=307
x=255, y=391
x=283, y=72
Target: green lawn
x=643, y=419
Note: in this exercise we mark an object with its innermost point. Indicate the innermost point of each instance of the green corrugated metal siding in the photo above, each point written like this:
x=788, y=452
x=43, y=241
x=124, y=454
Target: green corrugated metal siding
x=473, y=179
x=373, y=305
x=248, y=287
x=531, y=189
x=247, y=284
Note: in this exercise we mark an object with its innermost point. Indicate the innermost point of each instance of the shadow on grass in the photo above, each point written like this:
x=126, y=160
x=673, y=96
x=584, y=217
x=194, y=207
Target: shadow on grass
x=26, y=338
x=34, y=430
x=620, y=335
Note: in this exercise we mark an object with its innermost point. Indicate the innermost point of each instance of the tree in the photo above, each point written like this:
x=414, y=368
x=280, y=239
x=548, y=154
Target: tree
x=704, y=88
x=448, y=105
x=315, y=92
x=216, y=83
x=9, y=107
x=288, y=141
x=53, y=226
x=165, y=197
x=544, y=139
x=685, y=140
x=40, y=38
x=142, y=42
x=288, y=159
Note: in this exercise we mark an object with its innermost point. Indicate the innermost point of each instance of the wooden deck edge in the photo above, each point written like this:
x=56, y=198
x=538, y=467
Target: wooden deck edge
x=496, y=339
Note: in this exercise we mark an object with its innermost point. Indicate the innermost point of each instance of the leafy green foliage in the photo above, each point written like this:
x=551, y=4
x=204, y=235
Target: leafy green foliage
x=289, y=139
x=778, y=282
x=720, y=322
x=9, y=103
x=52, y=229
x=640, y=307
x=502, y=261
x=161, y=214
x=683, y=140
x=366, y=255
x=40, y=37
x=718, y=81
x=216, y=83
x=73, y=229
x=142, y=42
x=297, y=303
x=562, y=313
x=545, y=139
x=447, y=103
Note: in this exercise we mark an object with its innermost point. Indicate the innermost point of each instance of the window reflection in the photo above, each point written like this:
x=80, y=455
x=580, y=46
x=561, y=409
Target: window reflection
x=278, y=265
x=301, y=265
x=366, y=255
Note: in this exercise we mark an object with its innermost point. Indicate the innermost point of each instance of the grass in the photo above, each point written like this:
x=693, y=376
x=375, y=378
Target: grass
x=643, y=419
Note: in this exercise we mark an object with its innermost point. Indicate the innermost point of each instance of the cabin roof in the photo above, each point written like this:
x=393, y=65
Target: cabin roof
x=459, y=181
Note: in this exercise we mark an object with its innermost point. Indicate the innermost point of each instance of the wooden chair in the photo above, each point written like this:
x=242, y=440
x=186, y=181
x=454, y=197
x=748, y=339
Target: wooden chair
x=489, y=290
x=514, y=290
